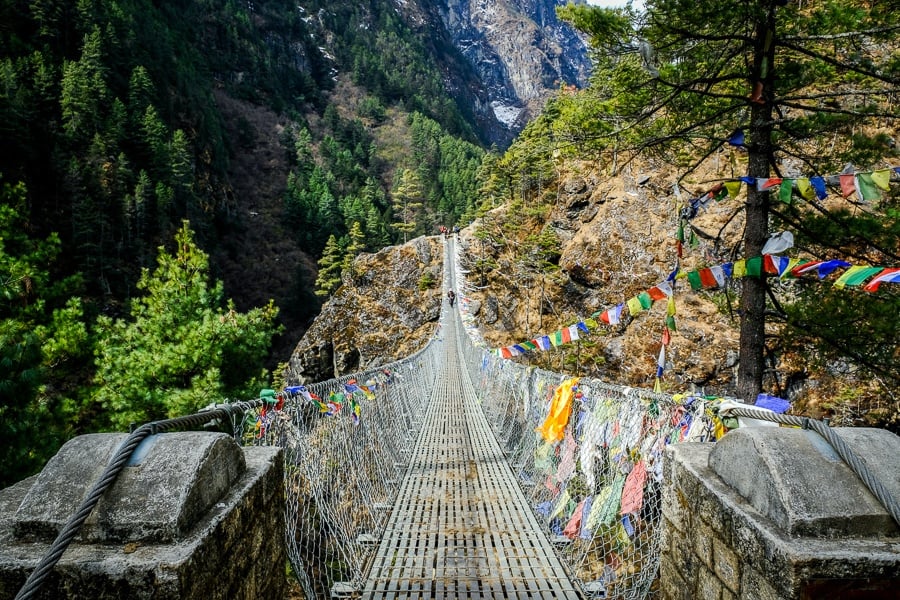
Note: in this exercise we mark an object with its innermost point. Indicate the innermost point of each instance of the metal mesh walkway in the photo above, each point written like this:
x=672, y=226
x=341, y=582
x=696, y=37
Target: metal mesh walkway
x=460, y=527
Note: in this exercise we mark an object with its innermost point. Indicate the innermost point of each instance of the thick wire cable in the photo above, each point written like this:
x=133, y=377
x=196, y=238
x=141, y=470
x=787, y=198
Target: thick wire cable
x=38, y=576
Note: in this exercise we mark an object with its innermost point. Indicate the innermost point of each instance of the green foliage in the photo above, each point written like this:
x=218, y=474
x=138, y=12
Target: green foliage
x=330, y=266
x=184, y=345
x=426, y=281
x=42, y=339
x=675, y=82
x=408, y=200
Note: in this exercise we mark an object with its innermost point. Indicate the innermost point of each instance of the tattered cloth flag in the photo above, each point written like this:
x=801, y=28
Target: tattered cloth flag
x=886, y=276
x=773, y=403
x=856, y=275
x=560, y=409
x=542, y=342
x=612, y=315
x=823, y=268
x=633, y=493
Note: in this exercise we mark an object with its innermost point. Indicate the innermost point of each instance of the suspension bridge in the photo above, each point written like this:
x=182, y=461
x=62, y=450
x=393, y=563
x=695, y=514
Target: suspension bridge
x=426, y=478
x=454, y=473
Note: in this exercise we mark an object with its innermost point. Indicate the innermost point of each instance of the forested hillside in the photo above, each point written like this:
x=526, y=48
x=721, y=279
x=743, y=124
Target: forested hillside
x=211, y=147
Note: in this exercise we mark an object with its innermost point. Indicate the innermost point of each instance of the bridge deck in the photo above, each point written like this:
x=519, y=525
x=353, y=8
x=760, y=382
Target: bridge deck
x=460, y=527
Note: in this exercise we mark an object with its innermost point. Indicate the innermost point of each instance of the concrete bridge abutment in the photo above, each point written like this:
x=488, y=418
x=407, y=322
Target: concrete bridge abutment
x=770, y=513
x=193, y=515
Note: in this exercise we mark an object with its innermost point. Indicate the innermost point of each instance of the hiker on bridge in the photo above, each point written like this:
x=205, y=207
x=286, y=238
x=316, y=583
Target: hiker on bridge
x=451, y=295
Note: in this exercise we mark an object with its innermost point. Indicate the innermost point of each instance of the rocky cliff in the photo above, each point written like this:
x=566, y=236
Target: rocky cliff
x=386, y=308
x=520, y=53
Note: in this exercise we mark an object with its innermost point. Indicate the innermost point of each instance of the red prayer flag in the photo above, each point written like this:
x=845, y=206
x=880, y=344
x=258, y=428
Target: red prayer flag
x=707, y=278
x=848, y=185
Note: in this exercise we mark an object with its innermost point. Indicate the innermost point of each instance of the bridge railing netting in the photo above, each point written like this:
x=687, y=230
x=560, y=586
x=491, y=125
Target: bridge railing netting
x=343, y=467
x=596, y=487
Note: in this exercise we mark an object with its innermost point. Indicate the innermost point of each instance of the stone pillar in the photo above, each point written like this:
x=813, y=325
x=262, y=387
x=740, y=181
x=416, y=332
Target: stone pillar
x=192, y=516
x=773, y=513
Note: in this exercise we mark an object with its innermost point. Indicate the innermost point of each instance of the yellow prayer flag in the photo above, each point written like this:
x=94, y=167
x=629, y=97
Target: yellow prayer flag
x=805, y=188
x=670, y=307
x=881, y=178
x=634, y=306
x=554, y=426
x=733, y=188
x=739, y=268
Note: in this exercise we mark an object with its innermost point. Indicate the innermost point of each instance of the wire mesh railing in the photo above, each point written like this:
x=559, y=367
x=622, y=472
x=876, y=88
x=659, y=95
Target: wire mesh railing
x=588, y=456
x=347, y=444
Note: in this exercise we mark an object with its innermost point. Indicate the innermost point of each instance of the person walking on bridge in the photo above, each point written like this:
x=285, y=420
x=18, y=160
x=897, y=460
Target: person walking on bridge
x=451, y=295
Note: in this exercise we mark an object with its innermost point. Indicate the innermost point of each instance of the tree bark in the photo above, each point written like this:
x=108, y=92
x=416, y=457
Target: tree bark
x=756, y=228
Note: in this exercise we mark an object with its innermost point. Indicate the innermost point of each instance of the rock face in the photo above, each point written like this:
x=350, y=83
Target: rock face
x=520, y=53
x=385, y=309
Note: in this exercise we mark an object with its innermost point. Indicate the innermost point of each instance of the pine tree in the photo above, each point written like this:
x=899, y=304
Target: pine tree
x=330, y=265
x=184, y=345
x=407, y=202
x=355, y=247
x=807, y=84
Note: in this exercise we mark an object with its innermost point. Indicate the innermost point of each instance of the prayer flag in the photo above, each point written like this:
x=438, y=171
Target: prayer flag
x=520, y=349
x=613, y=315
x=565, y=335
x=740, y=268
x=656, y=293
x=661, y=360
x=543, y=342
x=786, y=190
x=818, y=184
x=881, y=178
x=886, y=276
x=505, y=353
x=556, y=339
x=754, y=266
x=866, y=188
x=829, y=266
x=560, y=409
x=529, y=345
x=733, y=188
x=634, y=306
x=583, y=326
x=856, y=275
x=645, y=300
x=670, y=308
x=806, y=267
x=848, y=185
x=573, y=333
x=806, y=189
x=773, y=403
x=633, y=492
x=695, y=280
x=718, y=274
x=707, y=278
x=764, y=185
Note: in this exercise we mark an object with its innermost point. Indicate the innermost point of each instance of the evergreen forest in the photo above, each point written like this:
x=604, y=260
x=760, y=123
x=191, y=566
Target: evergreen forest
x=121, y=207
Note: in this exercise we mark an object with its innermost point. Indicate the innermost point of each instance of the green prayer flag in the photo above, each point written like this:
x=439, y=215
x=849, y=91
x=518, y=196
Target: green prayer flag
x=645, y=300
x=868, y=190
x=754, y=266
x=670, y=323
x=785, y=191
x=694, y=279
x=856, y=275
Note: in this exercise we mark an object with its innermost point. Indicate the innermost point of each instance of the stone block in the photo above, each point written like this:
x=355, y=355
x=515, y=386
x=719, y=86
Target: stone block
x=755, y=556
x=234, y=550
x=791, y=475
x=703, y=537
x=708, y=586
x=726, y=565
x=170, y=480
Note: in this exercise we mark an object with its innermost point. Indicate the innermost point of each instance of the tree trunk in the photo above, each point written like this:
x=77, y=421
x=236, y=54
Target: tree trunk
x=756, y=229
